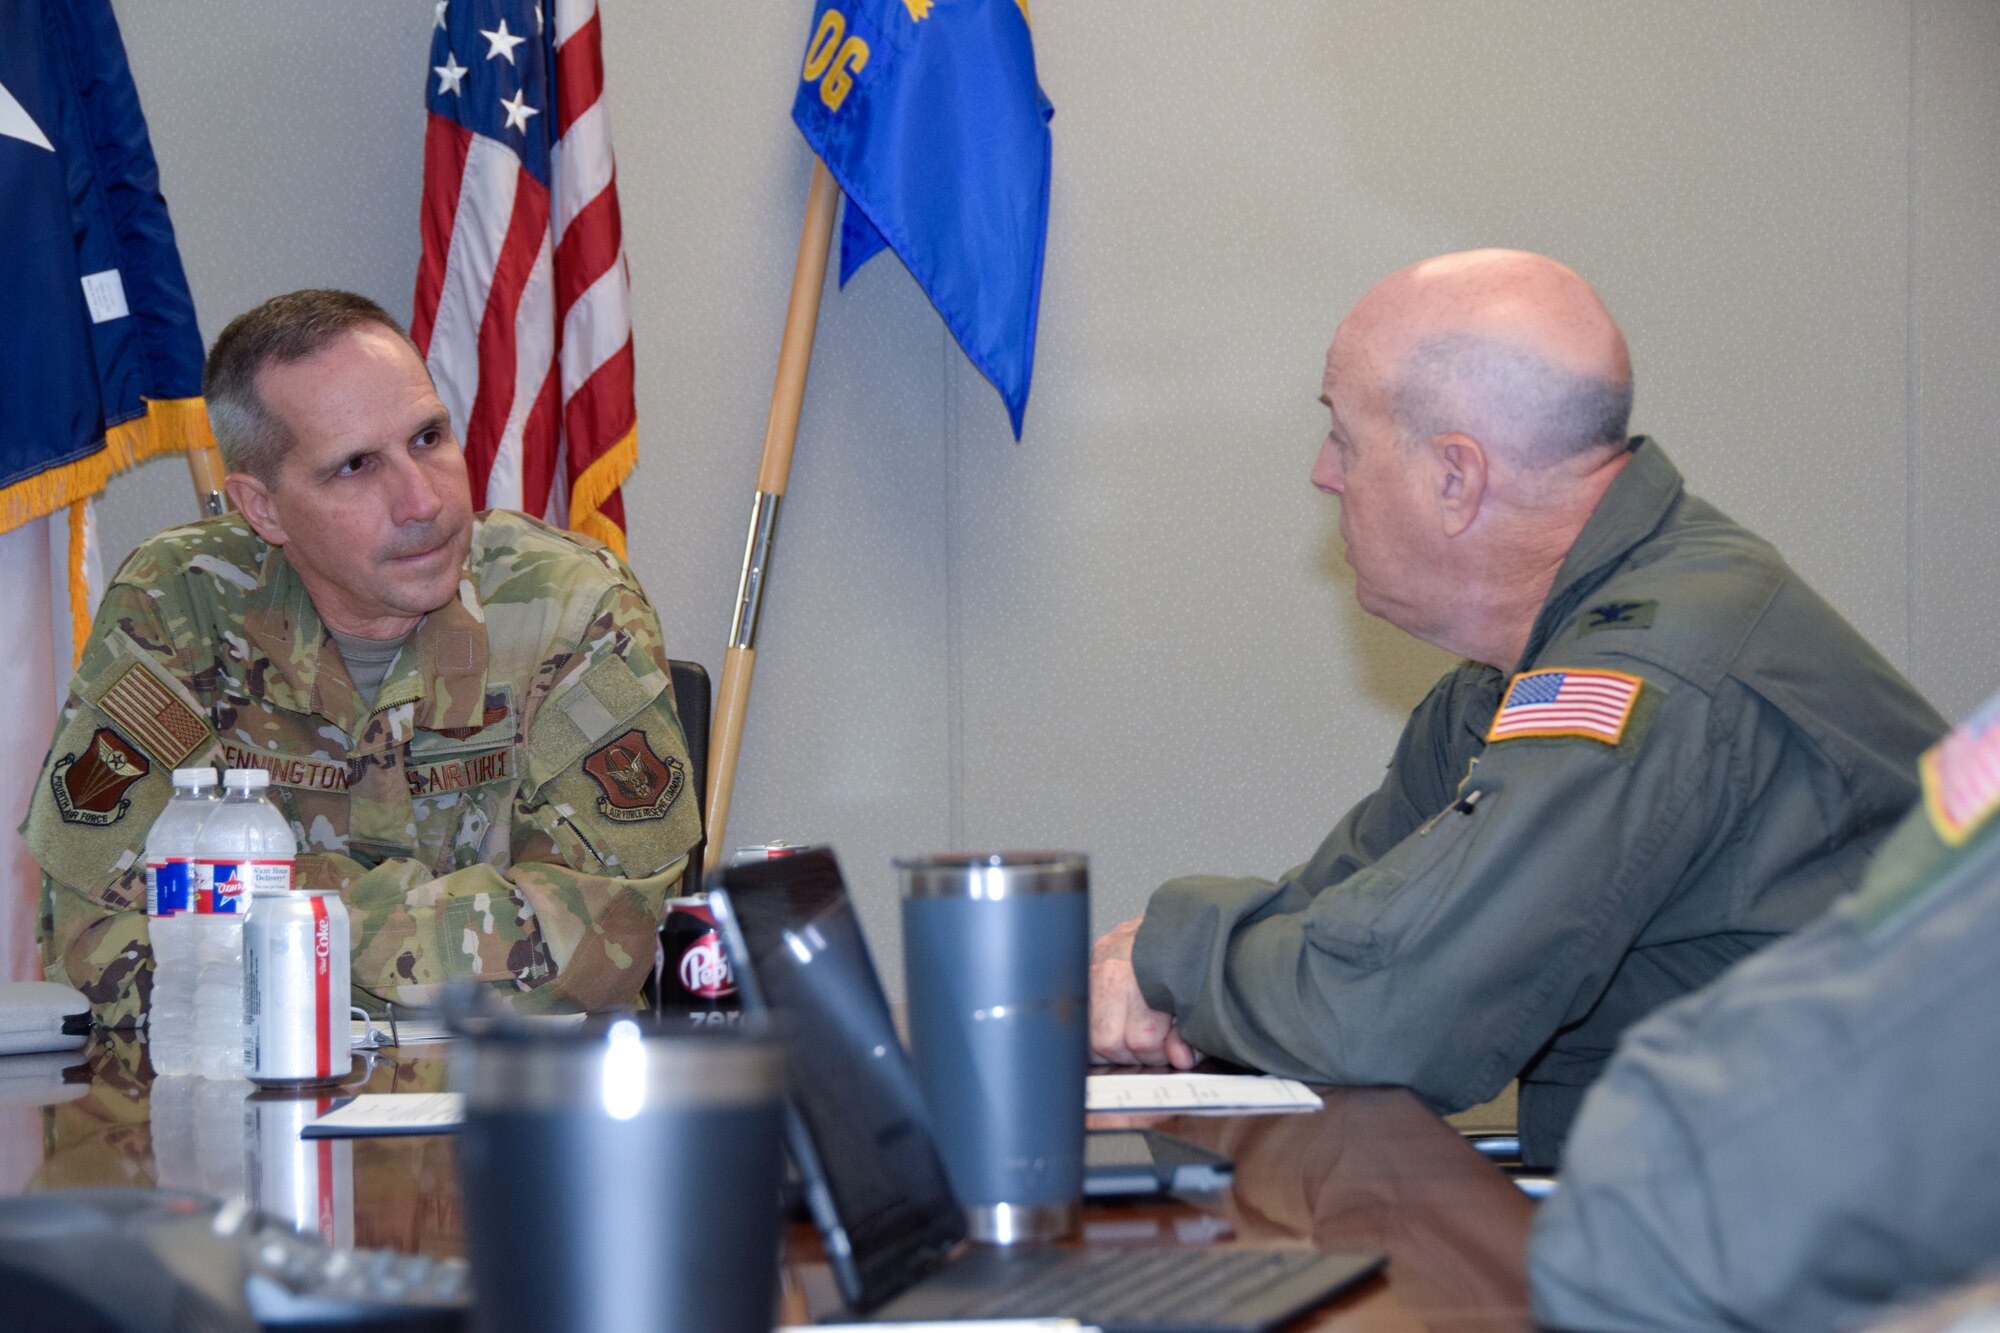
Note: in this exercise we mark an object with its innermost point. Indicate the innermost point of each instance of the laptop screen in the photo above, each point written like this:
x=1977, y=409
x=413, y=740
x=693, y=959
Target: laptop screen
x=860, y=1135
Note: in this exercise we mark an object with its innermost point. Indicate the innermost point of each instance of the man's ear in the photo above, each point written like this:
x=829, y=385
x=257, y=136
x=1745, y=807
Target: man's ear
x=1461, y=480
x=252, y=499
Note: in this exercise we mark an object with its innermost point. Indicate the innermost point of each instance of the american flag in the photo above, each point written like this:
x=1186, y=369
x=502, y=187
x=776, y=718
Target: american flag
x=524, y=307
x=1962, y=776
x=1556, y=702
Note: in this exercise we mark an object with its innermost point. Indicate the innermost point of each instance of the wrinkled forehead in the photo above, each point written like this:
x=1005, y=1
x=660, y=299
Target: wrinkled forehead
x=1354, y=367
x=366, y=383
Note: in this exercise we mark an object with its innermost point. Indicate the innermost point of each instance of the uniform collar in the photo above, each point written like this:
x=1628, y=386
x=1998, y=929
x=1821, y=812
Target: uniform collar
x=439, y=685
x=1631, y=510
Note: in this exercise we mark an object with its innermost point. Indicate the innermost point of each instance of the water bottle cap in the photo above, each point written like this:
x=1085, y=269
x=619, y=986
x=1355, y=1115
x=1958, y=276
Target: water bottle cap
x=194, y=777
x=248, y=778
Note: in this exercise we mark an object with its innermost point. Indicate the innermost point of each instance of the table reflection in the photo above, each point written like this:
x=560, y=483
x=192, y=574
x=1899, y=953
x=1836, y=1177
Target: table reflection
x=1373, y=1170
x=105, y=1119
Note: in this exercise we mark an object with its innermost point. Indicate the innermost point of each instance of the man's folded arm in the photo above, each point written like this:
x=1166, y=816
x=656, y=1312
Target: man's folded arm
x=1445, y=964
x=570, y=938
x=602, y=826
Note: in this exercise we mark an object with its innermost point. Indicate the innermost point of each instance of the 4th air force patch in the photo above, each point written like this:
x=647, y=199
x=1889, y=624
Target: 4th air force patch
x=89, y=788
x=511, y=807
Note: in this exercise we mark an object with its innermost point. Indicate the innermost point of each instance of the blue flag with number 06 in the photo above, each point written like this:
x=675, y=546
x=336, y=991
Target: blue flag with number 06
x=929, y=115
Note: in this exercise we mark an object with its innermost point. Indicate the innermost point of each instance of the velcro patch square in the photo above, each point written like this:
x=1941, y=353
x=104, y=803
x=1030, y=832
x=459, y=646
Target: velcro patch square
x=1560, y=701
x=154, y=716
x=1961, y=776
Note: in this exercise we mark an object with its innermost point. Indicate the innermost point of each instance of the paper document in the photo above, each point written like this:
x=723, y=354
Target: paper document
x=411, y=1030
x=408, y=1031
x=374, y=1114
x=1197, y=1093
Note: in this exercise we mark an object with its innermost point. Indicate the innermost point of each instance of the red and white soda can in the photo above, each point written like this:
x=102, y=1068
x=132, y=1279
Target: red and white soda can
x=766, y=851
x=295, y=988
x=307, y=1182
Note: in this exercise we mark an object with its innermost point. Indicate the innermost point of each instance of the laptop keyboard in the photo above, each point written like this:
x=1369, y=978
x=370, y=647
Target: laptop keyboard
x=1169, y=1287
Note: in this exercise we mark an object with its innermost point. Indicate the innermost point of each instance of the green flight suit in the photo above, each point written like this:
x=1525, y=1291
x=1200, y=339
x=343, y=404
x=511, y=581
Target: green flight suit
x=513, y=807
x=1449, y=948
x=1808, y=1141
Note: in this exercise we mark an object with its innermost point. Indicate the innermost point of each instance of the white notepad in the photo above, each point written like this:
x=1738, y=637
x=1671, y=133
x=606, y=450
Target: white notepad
x=377, y=1114
x=1197, y=1094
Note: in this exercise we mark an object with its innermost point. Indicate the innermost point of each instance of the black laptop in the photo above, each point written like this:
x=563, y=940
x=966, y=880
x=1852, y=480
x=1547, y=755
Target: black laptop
x=876, y=1185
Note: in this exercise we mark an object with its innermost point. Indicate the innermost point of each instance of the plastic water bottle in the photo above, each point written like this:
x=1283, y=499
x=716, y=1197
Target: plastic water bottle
x=246, y=846
x=218, y=995
x=170, y=1025
x=171, y=843
x=171, y=846
x=198, y=1138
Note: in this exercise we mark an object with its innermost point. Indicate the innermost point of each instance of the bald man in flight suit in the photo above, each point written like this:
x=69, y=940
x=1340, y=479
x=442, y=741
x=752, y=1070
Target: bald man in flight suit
x=1662, y=751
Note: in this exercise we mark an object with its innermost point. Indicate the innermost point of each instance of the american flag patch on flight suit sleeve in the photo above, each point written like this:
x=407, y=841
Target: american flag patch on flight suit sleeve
x=1563, y=702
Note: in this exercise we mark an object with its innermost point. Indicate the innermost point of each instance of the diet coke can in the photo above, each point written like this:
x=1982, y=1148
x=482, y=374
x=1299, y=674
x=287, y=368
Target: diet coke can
x=295, y=992
x=697, y=979
x=766, y=851
x=307, y=1182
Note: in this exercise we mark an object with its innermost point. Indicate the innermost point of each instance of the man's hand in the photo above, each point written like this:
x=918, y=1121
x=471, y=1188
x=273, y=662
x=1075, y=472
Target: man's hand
x=1123, y=1031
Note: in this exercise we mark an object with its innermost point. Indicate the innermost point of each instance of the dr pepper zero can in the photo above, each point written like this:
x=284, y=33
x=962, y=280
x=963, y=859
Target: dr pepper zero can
x=697, y=980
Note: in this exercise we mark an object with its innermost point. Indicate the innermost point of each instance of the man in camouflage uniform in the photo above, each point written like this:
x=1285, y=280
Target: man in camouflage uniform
x=467, y=720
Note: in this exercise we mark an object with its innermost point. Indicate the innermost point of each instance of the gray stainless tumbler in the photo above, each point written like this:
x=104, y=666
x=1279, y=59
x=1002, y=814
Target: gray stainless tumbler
x=622, y=1181
x=996, y=954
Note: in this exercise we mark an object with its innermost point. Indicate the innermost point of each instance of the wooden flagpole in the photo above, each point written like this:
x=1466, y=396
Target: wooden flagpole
x=781, y=431
x=205, y=465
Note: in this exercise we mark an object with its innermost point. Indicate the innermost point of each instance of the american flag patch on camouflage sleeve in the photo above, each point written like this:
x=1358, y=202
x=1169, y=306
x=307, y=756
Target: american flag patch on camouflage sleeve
x=160, y=720
x=1961, y=775
x=1562, y=702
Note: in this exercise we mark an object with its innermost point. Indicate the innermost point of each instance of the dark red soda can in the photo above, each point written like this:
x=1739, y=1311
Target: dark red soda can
x=697, y=980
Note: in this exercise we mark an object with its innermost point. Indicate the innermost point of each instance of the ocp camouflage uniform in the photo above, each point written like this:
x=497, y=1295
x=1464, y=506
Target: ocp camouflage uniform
x=513, y=807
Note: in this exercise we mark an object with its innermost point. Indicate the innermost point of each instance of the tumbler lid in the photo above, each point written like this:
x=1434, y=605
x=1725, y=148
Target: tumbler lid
x=994, y=875
x=630, y=1068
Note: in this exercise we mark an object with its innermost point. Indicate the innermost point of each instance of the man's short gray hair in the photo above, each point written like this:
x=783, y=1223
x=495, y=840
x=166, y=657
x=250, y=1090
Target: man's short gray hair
x=1509, y=396
x=284, y=329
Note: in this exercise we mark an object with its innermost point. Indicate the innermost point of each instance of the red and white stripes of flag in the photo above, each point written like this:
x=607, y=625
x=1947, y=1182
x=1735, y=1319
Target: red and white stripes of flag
x=523, y=301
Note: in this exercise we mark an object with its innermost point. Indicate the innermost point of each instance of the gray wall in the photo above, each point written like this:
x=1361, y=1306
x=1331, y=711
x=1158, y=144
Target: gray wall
x=1132, y=633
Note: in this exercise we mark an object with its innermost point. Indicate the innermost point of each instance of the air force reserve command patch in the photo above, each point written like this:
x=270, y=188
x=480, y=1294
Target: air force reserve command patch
x=1961, y=775
x=90, y=787
x=1595, y=705
x=637, y=783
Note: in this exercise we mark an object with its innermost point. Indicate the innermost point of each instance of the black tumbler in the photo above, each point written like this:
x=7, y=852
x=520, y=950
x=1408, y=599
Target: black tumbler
x=621, y=1181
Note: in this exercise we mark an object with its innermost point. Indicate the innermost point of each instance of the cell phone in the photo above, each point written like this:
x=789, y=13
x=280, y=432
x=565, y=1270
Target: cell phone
x=1126, y=1162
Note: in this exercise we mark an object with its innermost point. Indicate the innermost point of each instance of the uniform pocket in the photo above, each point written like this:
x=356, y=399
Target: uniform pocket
x=606, y=767
x=462, y=794
x=1366, y=918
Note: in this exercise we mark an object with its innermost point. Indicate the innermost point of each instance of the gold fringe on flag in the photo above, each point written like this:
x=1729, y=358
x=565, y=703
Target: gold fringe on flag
x=606, y=473
x=79, y=587
x=170, y=425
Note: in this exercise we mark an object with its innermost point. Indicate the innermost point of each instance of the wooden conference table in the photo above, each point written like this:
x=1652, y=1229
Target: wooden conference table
x=1374, y=1170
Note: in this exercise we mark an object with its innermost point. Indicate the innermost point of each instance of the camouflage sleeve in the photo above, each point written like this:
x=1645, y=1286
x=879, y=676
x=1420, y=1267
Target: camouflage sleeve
x=101, y=950
x=128, y=721
x=602, y=824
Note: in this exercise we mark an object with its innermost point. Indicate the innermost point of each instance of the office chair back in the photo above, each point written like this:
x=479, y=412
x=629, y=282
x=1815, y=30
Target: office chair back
x=691, y=706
